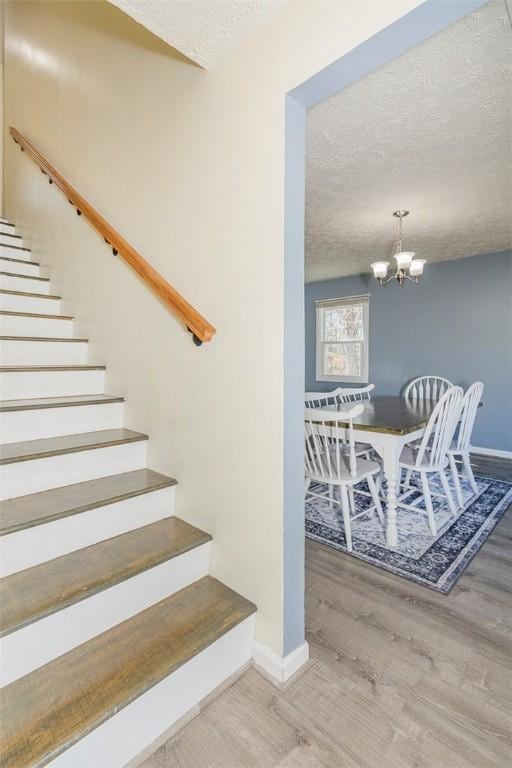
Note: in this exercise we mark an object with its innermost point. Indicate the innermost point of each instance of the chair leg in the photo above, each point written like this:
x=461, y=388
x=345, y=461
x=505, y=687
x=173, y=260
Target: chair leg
x=375, y=496
x=331, y=495
x=345, y=510
x=307, y=483
x=447, y=492
x=428, y=503
x=352, y=500
x=456, y=480
x=469, y=472
x=407, y=481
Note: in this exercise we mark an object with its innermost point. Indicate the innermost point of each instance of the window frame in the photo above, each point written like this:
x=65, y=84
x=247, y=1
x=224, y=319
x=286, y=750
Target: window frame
x=343, y=301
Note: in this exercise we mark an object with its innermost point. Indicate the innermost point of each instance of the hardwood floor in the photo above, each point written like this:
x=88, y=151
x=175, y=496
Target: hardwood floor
x=401, y=676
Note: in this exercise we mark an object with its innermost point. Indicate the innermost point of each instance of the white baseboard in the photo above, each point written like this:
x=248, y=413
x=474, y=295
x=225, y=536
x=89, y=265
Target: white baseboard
x=281, y=668
x=492, y=452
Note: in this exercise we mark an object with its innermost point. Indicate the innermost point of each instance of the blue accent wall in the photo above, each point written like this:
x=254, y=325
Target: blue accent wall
x=457, y=323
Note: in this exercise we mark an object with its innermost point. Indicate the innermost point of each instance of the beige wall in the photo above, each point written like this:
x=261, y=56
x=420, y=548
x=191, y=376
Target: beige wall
x=188, y=165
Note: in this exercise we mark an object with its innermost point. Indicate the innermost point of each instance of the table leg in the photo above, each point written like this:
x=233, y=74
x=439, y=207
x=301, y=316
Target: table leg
x=390, y=458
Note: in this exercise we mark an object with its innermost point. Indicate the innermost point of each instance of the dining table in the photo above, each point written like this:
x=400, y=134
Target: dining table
x=387, y=423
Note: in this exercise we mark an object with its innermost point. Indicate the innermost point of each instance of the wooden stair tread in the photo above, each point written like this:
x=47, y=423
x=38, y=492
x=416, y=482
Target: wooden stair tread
x=36, y=592
x=60, y=339
x=33, y=368
x=48, y=710
x=45, y=506
x=38, y=403
x=31, y=293
x=11, y=312
x=56, y=446
x=9, y=234
x=25, y=277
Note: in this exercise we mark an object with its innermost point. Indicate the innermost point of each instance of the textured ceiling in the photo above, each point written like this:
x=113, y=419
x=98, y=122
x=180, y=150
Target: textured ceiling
x=203, y=30
x=430, y=132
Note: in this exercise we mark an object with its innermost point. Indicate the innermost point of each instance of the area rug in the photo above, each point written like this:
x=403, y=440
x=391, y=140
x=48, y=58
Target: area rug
x=436, y=562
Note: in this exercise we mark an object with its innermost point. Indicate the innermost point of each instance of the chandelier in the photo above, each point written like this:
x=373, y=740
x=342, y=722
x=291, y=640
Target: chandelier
x=407, y=267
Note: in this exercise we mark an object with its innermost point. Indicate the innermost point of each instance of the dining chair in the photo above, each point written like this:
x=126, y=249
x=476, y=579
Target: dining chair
x=321, y=399
x=354, y=394
x=427, y=388
x=340, y=396
x=461, y=446
x=328, y=463
x=431, y=455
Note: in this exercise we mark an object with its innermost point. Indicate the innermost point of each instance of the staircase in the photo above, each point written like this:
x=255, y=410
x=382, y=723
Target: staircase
x=111, y=628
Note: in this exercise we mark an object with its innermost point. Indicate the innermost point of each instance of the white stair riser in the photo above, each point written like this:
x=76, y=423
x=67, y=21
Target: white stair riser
x=20, y=267
x=39, y=304
x=9, y=239
x=16, y=426
x=15, y=253
x=31, y=546
x=136, y=727
x=22, y=477
x=18, y=325
x=43, y=352
x=24, y=284
x=40, y=642
x=18, y=385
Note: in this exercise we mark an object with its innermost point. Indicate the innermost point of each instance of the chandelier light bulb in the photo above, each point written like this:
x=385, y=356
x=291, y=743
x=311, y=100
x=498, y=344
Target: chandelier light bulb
x=403, y=259
x=380, y=269
x=416, y=267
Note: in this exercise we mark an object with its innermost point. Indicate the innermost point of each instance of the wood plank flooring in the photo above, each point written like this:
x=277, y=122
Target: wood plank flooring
x=401, y=676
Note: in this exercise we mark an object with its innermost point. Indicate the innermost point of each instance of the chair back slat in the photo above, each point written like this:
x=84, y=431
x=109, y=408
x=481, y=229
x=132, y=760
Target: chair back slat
x=319, y=399
x=427, y=388
x=440, y=429
x=340, y=395
x=325, y=451
x=470, y=405
x=354, y=394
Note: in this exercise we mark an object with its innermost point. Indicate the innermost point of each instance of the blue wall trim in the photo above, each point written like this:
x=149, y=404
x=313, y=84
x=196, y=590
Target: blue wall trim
x=457, y=323
x=413, y=28
x=293, y=449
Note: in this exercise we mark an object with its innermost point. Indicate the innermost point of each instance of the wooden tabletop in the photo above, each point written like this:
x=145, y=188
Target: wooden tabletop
x=392, y=415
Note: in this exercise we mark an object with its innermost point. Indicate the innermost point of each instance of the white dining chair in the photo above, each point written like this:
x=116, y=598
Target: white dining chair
x=327, y=462
x=338, y=395
x=354, y=394
x=461, y=446
x=323, y=399
x=427, y=388
x=431, y=455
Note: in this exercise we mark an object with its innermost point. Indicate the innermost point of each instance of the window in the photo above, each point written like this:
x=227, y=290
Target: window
x=342, y=339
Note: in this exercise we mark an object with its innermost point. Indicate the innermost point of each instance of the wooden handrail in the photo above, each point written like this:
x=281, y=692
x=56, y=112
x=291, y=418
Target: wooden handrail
x=200, y=328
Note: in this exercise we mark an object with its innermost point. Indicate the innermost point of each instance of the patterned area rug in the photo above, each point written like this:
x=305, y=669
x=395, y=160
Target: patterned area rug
x=436, y=562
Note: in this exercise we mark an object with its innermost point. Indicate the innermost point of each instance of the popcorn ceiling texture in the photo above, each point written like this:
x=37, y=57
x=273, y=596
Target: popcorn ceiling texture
x=203, y=30
x=430, y=132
